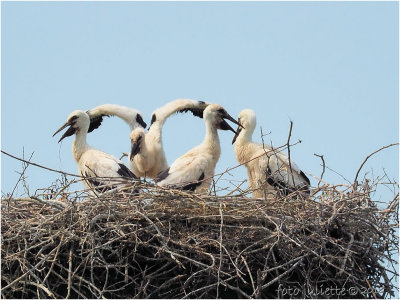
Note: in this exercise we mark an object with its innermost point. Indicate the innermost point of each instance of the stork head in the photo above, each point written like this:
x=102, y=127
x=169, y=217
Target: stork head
x=77, y=120
x=217, y=115
x=247, y=120
x=137, y=139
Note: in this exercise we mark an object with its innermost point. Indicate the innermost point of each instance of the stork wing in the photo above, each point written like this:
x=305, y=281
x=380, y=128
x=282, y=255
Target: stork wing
x=131, y=116
x=278, y=171
x=95, y=122
x=100, y=167
x=178, y=106
x=186, y=172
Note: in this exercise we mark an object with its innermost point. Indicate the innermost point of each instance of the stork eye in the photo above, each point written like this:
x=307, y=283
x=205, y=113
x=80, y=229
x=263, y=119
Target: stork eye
x=222, y=111
x=72, y=119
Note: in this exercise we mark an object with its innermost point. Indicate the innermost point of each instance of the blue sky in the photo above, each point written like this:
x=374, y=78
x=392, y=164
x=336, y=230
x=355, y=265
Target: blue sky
x=330, y=67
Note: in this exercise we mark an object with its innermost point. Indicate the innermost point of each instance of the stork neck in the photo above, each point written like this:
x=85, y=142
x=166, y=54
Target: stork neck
x=212, y=139
x=242, y=144
x=79, y=146
x=245, y=136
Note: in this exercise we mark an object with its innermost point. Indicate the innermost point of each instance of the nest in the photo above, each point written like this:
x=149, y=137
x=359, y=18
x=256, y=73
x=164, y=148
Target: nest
x=173, y=244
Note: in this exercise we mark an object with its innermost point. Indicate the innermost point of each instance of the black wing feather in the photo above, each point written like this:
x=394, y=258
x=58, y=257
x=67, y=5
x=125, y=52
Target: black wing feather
x=162, y=175
x=305, y=177
x=95, y=122
x=197, y=112
x=95, y=184
x=192, y=186
x=125, y=172
x=139, y=119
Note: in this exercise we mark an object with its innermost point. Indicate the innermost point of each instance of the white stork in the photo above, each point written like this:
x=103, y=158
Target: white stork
x=97, y=167
x=194, y=170
x=267, y=168
x=147, y=157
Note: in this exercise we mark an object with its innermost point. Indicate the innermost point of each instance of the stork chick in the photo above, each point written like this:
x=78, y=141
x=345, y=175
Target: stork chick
x=194, y=170
x=147, y=157
x=91, y=162
x=267, y=168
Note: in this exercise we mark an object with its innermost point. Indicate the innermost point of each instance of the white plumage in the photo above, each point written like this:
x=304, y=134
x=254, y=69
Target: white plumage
x=267, y=168
x=194, y=170
x=147, y=158
x=131, y=116
x=92, y=162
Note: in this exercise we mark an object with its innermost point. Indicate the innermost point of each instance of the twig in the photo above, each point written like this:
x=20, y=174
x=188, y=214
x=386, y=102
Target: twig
x=323, y=167
x=40, y=166
x=365, y=160
x=288, y=149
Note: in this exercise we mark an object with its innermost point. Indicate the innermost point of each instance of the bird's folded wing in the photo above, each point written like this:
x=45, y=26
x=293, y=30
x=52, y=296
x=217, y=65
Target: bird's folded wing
x=189, y=168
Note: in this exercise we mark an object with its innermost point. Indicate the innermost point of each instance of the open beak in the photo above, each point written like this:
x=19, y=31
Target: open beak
x=225, y=126
x=71, y=130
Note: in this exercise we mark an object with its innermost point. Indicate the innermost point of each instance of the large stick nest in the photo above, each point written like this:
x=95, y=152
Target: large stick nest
x=172, y=244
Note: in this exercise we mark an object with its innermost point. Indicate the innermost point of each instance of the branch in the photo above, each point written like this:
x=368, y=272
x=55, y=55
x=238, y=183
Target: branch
x=365, y=160
x=40, y=166
x=323, y=167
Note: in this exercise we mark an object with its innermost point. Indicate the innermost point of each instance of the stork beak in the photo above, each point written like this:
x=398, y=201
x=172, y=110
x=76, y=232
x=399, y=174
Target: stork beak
x=71, y=130
x=225, y=126
x=135, y=149
x=227, y=116
x=238, y=130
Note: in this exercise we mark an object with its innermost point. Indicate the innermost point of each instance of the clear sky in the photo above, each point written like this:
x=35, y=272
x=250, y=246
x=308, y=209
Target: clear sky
x=330, y=67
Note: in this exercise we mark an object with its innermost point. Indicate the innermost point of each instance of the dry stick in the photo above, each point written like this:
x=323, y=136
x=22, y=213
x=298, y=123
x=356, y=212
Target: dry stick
x=365, y=160
x=63, y=189
x=347, y=254
x=69, y=273
x=300, y=259
x=251, y=277
x=220, y=248
x=288, y=149
x=163, y=240
x=83, y=280
x=54, y=259
x=323, y=167
x=20, y=177
x=27, y=272
x=39, y=285
x=199, y=289
x=40, y=166
x=236, y=187
x=55, y=204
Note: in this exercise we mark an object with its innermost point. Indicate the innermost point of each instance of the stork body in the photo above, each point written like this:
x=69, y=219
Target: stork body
x=147, y=158
x=194, y=170
x=92, y=162
x=268, y=169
